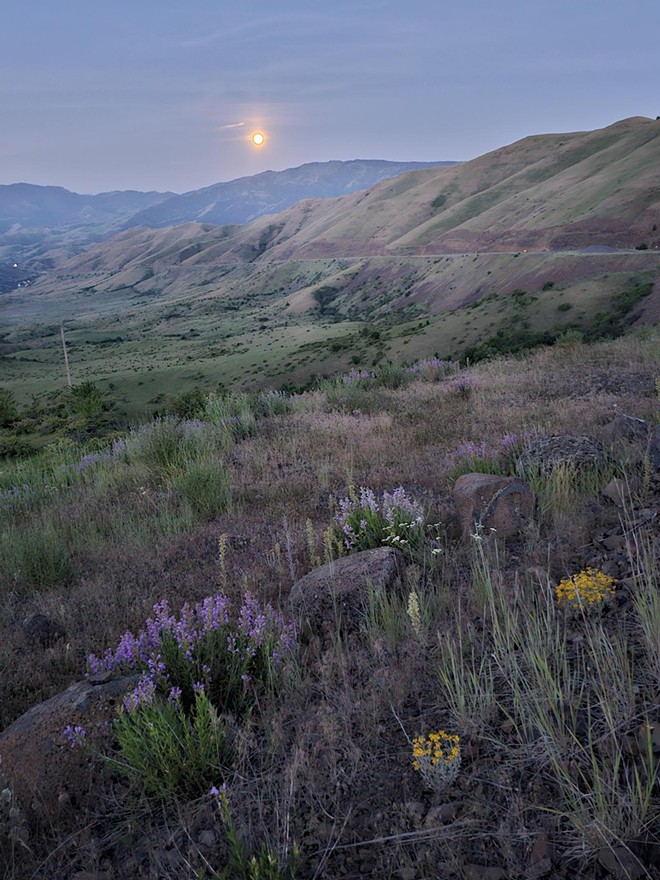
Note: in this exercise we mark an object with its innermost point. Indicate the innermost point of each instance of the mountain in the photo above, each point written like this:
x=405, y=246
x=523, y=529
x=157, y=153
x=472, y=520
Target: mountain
x=544, y=193
x=28, y=206
x=25, y=207
x=554, y=232
x=559, y=193
x=246, y=198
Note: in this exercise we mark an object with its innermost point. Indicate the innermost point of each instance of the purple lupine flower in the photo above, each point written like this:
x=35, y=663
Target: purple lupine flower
x=509, y=442
x=463, y=385
x=214, y=613
x=252, y=621
x=118, y=448
x=356, y=376
x=397, y=506
x=75, y=734
x=469, y=450
x=368, y=499
x=142, y=695
x=432, y=368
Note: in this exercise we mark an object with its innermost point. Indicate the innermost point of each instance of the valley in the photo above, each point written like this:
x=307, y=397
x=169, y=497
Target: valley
x=552, y=234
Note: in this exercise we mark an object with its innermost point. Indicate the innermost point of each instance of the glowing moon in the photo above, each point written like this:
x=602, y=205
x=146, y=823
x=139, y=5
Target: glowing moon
x=258, y=139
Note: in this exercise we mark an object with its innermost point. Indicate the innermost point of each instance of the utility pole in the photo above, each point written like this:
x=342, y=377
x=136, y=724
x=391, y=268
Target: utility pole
x=66, y=357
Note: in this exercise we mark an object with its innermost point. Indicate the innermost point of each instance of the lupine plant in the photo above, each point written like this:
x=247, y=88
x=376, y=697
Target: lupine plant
x=365, y=522
x=355, y=375
x=432, y=369
x=202, y=674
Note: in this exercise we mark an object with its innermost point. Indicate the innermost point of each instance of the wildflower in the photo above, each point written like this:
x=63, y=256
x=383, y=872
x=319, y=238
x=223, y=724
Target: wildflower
x=437, y=757
x=432, y=368
x=364, y=522
x=414, y=612
x=587, y=590
x=462, y=387
x=142, y=695
x=355, y=376
x=75, y=734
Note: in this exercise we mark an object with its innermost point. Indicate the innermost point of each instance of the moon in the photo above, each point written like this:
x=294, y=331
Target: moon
x=258, y=138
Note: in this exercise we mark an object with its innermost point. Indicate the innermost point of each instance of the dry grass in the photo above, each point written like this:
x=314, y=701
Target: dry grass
x=550, y=711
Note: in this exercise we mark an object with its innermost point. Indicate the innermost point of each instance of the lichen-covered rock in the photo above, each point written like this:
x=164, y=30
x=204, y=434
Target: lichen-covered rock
x=47, y=777
x=548, y=452
x=339, y=589
x=488, y=501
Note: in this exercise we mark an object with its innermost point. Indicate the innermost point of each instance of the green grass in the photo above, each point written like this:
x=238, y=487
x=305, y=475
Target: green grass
x=554, y=710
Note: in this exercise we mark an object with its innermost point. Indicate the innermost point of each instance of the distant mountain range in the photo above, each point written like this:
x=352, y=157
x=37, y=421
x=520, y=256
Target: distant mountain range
x=24, y=206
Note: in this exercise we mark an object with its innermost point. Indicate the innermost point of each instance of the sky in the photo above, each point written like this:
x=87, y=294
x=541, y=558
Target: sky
x=163, y=95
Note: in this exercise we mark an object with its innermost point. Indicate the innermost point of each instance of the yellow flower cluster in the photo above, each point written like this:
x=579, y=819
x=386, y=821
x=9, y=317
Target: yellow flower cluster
x=587, y=589
x=437, y=757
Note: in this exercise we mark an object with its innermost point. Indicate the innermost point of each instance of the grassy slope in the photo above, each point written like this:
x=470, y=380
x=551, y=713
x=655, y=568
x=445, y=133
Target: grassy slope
x=198, y=304
x=334, y=745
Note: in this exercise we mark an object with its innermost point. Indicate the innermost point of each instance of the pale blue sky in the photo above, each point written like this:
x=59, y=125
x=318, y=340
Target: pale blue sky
x=162, y=94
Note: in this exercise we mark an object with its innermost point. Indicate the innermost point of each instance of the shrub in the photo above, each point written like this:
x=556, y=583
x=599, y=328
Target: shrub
x=392, y=376
x=365, y=523
x=202, y=675
x=168, y=446
x=586, y=591
x=274, y=403
x=437, y=758
x=432, y=369
x=233, y=412
x=206, y=486
x=36, y=555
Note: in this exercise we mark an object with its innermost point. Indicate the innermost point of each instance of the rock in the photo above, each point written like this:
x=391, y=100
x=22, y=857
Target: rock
x=482, y=872
x=654, y=449
x=505, y=504
x=340, y=588
x=39, y=628
x=625, y=427
x=48, y=777
x=621, y=862
x=547, y=453
x=621, y=491
x=442, y=814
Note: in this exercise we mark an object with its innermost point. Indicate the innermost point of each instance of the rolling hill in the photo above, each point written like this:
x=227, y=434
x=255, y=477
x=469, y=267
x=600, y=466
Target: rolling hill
x=541, y=235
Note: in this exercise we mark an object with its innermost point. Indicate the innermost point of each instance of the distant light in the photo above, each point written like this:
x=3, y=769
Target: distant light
x=14, y=265
x=258, y=138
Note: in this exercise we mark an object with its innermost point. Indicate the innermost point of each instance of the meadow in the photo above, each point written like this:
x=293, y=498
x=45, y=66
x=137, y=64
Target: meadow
x=495, y=716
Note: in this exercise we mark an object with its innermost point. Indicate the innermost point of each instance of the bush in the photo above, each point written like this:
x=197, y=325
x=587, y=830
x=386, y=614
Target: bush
x=205, y=485
x=364, y=523
x=232, y=412
x=203, y=675
x=37, y=556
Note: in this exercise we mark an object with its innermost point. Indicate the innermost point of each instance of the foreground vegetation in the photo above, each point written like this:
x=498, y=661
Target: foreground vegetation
x=495, y=717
